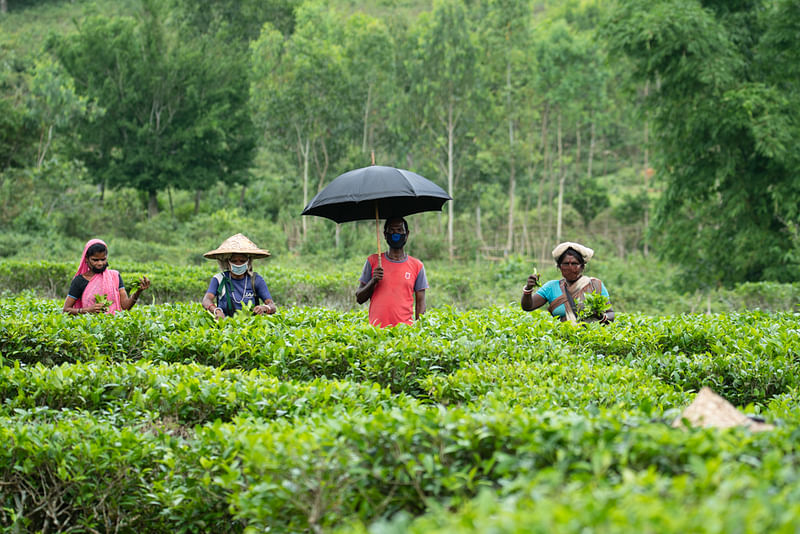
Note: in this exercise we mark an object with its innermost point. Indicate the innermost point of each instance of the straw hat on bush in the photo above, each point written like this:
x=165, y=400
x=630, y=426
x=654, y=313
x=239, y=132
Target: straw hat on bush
x=710, y=410
x=236, y=244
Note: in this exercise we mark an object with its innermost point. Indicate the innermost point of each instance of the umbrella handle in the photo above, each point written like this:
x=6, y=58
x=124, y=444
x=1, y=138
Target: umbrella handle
x=378, y=233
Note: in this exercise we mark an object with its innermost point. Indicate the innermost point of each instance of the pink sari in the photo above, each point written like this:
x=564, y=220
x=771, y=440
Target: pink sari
x=105, y=283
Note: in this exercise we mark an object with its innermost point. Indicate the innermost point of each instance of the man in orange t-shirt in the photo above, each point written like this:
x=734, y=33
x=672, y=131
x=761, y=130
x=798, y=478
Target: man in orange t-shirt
x=396, y=285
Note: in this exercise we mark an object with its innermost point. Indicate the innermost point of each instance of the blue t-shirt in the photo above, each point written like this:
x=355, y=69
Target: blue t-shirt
x=244, y=291
x=552, y=290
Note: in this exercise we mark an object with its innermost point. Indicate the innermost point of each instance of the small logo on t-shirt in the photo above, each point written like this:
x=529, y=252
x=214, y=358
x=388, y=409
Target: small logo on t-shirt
x=408, y=275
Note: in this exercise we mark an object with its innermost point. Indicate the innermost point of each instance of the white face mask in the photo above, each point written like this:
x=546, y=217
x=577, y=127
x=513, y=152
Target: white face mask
x=238, y=269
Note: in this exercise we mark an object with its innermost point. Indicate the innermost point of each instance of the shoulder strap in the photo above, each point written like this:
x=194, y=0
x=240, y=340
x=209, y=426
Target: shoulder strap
x=571, y=301
x=224, y=290
x=559, y=300
x=256, y=300
x=597, y=284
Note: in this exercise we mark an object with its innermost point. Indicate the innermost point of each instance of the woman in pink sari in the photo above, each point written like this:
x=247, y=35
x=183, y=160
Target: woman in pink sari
x=94, y=279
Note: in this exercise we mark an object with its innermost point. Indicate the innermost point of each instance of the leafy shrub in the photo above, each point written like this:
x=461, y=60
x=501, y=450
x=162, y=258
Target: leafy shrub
x=160, y=420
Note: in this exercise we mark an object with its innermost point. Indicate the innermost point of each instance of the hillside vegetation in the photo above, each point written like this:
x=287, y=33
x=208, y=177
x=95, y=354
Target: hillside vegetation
x=661, y=133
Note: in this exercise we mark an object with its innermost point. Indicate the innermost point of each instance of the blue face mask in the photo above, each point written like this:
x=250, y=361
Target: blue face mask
x=396, y=240
x=238, y=269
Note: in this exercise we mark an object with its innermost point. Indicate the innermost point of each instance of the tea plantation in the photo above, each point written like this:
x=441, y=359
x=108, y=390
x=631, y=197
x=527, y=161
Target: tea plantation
x=488, y=420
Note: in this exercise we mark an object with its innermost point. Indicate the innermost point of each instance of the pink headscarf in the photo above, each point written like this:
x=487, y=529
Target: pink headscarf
x=105, y=283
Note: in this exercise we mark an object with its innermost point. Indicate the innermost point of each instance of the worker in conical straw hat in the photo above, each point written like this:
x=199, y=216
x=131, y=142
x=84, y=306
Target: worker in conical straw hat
x=236, y=283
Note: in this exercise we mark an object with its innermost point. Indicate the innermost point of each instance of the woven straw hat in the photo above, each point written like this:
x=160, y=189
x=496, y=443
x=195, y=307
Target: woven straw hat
x=237, y=244
x=586, y=252
x=710, y=410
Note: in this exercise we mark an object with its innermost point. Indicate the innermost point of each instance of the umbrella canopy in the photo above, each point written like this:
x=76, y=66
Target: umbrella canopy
x=376, y=192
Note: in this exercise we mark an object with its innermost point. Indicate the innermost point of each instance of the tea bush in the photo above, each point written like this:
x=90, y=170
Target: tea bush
x=160, y=419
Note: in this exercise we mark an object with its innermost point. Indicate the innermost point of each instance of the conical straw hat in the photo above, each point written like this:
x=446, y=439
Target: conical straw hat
x=710, y=410
x=237, y=244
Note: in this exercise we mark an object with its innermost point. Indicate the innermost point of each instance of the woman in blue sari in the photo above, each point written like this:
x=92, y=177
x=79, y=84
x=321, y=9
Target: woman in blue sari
x=566, y=296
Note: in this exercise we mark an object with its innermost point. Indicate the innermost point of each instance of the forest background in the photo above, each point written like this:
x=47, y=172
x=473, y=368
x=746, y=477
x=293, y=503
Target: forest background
x=663, y=134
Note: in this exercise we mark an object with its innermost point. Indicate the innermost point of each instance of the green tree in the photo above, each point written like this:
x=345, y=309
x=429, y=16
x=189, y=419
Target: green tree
x=571, y=83
x=725, y=104
x=54, y=104
x=175, y=112
x=235, y=20
x=298, y=87
x=505, y=38
x=369, y=61
x=442, y=78
x=17, y=127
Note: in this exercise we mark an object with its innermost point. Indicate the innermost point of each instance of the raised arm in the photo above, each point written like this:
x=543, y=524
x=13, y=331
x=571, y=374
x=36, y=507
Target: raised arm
x=365, y=290
x=126, y=302
x=530, y=300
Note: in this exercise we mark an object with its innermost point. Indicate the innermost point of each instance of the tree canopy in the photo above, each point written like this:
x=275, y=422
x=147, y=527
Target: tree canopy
x=545, y=121
x=726, y=118
x=174, y=111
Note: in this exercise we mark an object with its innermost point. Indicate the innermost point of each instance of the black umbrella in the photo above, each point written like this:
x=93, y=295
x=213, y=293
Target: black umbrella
x=355, y=195
x=376, y=192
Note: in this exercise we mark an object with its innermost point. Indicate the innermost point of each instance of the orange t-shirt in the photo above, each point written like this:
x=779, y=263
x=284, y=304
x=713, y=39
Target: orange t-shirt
x=392, y=301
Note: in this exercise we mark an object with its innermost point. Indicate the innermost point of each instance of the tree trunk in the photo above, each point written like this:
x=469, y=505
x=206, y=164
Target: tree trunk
x=171, y=206
x=478, y=229
x=526, y=239
x=512, y=186
x=646, y=250
x=43, y=146
x=3, y=6
x=591, y=151
x=152, y=203
x=304, y=153
x=450, y=147
x=561, y=177
x=543, y=176
x=197, y=195
x=543, y=179
x=512, y=178
x=577, y=167
x=366, y=120
x=322, y=168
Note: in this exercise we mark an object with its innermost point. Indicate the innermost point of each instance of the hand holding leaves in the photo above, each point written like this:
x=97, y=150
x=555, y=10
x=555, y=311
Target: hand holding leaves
x=140, y=284
x=594, y=306
x=103, y=301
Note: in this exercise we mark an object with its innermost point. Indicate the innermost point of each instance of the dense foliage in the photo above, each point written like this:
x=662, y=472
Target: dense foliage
x=725, y=105
x=169, y=126
x=515, y=107
x=165, y=127
x=311, y=420
x=173, y=109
